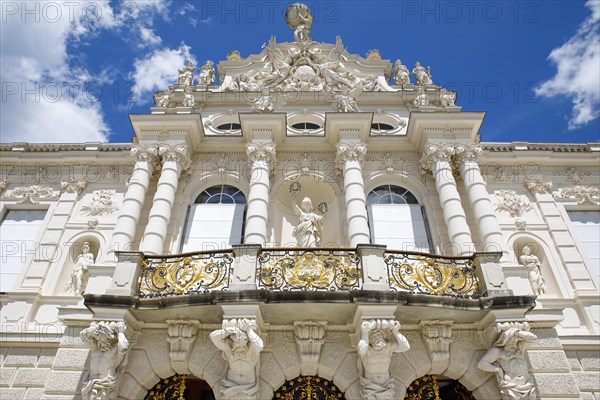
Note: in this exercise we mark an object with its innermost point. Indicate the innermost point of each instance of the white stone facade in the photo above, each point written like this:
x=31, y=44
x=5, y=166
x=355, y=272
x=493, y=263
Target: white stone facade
x=131, y=201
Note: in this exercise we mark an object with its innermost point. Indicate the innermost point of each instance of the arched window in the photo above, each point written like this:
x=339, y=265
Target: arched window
x=397, y=220
x=215, y=220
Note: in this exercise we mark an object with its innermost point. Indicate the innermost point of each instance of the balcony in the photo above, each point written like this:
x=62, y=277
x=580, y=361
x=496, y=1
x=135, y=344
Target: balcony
x=249, y=267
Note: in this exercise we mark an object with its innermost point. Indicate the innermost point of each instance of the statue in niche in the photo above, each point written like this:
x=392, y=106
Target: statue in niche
x=186, y=75
x=109, y=350
x=81, y=274
x=299, y=18
x=422, y=75
x=538, y=284
x=506, y=359
x=207, y=74
x=375, y=356
x=241, y=348
x=309, y=230
x=401, y=74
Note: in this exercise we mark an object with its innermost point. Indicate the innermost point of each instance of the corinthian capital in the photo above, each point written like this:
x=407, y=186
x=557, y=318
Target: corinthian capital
x=433, y=153
x=350, y=152
x=468, y=152
x=145, y=152
x=261, y=152
x=176, y=152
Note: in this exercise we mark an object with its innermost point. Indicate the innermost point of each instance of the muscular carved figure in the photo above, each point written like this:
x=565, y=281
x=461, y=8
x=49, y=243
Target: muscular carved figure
x=375, y=353
x=241, y=347
x=109, y=349
x=506, y=359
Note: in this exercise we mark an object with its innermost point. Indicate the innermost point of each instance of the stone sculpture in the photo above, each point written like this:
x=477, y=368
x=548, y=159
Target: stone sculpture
x=241, y=348
x=163, y=101
x=375, y=356
x=299, y=18
x=507, y=360
x=80, y=273
x=109, y=351
x=401, y=74
x=422, y=75
x=188, y=99
x=309, y=230
x=186, y=75
x=207, y=74
x=447, y=98
x=538, y=284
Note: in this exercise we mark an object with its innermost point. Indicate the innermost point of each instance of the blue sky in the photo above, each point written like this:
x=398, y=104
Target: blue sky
x=72, y=71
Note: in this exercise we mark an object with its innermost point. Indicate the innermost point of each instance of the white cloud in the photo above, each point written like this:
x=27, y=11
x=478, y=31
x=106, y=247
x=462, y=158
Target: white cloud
x=35, y=64
x=159, y=70
x=148, y=38
x=578, y=70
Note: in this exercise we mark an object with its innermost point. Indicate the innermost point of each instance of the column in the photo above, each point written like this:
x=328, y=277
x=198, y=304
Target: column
x=489, y=228
x=349, y=158
x=124, y=233
x=262, y=156
x=436, y=158
x=175, y=159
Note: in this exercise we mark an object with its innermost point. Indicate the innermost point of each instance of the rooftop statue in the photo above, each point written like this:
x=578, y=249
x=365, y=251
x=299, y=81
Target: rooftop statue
x=401, y=74
x=422, y=75
x=207, y=74
x=299, y=18
x=186, y=75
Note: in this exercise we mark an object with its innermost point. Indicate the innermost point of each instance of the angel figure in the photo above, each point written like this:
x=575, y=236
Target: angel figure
x=299, y=18
x=401, y=74
x=279, y=64
x=207, y=74
x=346, y=100
x=329, y=69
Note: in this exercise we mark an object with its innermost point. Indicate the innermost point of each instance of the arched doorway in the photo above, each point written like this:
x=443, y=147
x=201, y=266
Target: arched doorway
x=180, y=387
x=437, y=387
x=308, y=387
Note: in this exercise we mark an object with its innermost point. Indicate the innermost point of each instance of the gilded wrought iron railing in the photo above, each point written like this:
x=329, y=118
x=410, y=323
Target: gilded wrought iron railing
x=309, y=269
x=431, y=274
x=185, y=274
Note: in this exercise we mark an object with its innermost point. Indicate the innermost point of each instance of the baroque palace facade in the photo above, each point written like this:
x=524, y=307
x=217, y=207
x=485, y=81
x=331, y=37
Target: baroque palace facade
x=319, y=225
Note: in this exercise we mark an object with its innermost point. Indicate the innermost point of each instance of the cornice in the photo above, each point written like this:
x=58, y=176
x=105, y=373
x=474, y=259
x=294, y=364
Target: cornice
x=554, y=147
x=56, y=147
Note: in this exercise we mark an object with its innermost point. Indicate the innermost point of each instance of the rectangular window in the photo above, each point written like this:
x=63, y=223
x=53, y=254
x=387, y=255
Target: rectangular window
x=18, y=232
x=586, y=225
x=213, y=227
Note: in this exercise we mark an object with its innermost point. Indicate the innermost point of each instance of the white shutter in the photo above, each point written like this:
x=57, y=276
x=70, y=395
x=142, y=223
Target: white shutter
x=587, y=229
x=399, y=226
x=18, y=233
x=213, y=226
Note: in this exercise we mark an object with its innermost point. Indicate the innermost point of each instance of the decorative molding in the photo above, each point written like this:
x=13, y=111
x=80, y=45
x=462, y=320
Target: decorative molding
x=264, y=152
x=103, y=202
x=389, y=163
x=30, y=194
x=310, y=336
x=581, y=194
x=181, y=335
x=3, y=185
x=497, y=174
x=539, y=185
x=574, y=175
x=74, y=185
x=438, y=336
x=509, y=200
x=520, y=224
x=468, y=152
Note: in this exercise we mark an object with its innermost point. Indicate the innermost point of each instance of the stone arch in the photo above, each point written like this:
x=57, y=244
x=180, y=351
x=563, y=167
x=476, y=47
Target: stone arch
x=298, y=388
x=181, y=386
